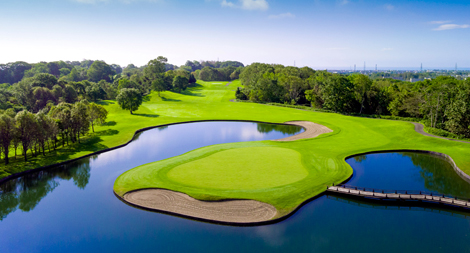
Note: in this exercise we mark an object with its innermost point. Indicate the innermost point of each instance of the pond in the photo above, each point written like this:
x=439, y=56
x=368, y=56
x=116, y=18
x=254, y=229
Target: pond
x=73, y=208
x=407, y=171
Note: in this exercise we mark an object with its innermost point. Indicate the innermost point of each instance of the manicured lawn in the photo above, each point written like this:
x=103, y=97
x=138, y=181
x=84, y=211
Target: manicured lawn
x=241, y=168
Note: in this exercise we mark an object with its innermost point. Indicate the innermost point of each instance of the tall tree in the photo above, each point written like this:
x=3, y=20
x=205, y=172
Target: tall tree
x=62, y=113
x=180, y=83
x=7, y=133
x=99, y=70
x=26, y=127
x=44, y=129
x=338, y=94
x=159, y=85
x=155, y=68
x=80, y=119
x=97, y=114
x=129, y=99
x=192, y=79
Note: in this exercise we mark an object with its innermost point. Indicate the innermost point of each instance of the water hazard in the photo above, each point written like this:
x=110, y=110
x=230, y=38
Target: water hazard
x=73, y=209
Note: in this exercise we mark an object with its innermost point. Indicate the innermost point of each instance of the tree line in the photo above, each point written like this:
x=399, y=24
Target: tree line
x=33, y=87
x=36, y=132
x=442, y=103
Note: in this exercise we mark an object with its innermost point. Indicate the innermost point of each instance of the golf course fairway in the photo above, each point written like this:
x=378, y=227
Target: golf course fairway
x=281, y=174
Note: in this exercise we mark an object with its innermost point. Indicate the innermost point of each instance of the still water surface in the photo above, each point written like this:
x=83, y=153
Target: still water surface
x=73, y=209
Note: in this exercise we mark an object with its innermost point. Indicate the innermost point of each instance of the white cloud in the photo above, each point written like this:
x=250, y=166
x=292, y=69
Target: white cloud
x=247, y=4
x=387, y=49
x=450, y=27
x=227, y=4
x=440, y=22
x=343, y=2
x=389, y=7
x=255, y=5
x=282, y=15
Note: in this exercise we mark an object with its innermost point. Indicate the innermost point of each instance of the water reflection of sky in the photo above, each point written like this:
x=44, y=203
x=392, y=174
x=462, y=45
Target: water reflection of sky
x=162, y=143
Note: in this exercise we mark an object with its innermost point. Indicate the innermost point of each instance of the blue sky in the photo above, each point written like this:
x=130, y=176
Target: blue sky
x=316, y=33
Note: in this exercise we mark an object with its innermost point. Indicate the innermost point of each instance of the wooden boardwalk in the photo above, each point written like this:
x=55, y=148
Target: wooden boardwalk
x=399, y=195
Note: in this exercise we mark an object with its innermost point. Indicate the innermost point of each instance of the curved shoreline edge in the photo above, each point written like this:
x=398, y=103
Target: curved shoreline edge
x=312, y=130
x=26, y=172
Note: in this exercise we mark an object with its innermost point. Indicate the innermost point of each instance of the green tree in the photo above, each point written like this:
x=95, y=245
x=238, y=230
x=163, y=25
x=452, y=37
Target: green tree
x=192, y=79
x=129, y=99
x=69, y=94
x=155, y=68
x=74, y=76
x=158, y=85
x=44, y=80
x=80, y=120
x=94, y=92
x=7, y=133
x=338, y=94
x=99, y=70
x=97, y=114
x=26, y=125
x=45, y=129
x=62, y=114
x=362, y=85
x=180, y=83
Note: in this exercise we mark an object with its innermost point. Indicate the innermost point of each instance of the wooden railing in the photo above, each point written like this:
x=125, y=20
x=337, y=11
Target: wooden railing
x=400, y=195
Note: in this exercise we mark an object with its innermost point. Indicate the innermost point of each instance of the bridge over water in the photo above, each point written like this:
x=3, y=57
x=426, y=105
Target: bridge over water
x=400, y=195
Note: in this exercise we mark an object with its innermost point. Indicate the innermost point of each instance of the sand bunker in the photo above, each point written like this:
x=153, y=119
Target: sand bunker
x=312, y=130
x=229, y=211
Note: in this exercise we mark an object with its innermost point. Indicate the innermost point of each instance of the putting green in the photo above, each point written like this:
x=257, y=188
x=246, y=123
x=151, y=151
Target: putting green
x=242, y=169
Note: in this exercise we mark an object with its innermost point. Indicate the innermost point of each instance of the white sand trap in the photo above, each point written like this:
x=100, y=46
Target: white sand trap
x=230, y=211
x=312, y=130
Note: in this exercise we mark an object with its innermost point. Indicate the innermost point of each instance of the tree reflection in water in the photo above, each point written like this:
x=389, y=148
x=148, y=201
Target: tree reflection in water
x=26, y=192
x=439, y=176
x=267, y=128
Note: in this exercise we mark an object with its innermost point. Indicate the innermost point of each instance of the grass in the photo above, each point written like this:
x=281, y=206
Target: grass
x=322, y=157
x=241, y=168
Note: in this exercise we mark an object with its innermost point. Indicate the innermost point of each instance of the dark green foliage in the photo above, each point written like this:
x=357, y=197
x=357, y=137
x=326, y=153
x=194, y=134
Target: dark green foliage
x=129, y=99
x=338, y=94
x=180, y=83
x=99, y=70
x=95, y=92
x=192, y=79
x=240, y=95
